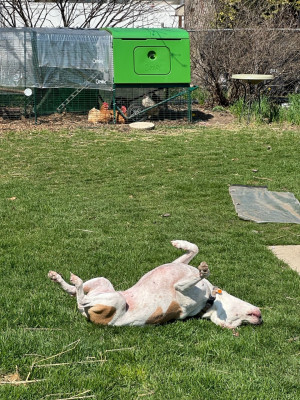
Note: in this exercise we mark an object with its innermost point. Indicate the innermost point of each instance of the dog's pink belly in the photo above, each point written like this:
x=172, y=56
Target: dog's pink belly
x=153, y=298
x=143, y=299
x=163, y=278
x=145, y=307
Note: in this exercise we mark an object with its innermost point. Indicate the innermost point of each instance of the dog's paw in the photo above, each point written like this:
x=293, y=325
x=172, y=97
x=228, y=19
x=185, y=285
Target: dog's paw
x=54, y=276
x=75, y=280
x=203, y=270
x=185, y=245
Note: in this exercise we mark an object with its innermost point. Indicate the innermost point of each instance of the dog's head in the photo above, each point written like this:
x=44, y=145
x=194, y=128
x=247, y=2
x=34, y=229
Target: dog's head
x=230, y=312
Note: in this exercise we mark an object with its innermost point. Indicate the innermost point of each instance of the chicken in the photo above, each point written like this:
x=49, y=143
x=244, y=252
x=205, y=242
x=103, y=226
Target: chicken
x=94, y=115
x=148, y=102
x=106, y=115
x=120, y=118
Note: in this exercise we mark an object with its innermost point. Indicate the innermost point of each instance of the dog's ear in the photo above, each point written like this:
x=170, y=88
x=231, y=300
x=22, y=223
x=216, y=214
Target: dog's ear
x=101, y=314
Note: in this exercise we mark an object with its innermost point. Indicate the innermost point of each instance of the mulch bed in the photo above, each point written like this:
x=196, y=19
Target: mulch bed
x=71, y=121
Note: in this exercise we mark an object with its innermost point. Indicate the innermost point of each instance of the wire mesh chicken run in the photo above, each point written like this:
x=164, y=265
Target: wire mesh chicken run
x=116, y=75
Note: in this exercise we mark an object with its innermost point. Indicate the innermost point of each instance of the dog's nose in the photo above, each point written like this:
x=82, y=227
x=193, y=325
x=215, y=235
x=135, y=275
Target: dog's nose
x=256, y=313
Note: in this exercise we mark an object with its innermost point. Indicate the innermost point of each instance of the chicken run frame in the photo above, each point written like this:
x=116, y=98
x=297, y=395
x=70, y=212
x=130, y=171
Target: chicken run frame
x=134, y=73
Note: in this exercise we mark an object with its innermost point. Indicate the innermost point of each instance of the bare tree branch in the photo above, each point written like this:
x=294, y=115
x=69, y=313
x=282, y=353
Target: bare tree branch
x=259, y=40
x=73, y=13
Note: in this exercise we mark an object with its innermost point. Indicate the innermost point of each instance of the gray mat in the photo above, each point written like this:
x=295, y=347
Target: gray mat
x=258, y=204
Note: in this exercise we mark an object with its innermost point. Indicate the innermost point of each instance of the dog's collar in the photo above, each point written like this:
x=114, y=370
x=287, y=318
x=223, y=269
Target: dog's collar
x=210, y=301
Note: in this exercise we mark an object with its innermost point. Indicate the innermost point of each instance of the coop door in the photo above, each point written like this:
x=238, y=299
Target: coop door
x=152, y=60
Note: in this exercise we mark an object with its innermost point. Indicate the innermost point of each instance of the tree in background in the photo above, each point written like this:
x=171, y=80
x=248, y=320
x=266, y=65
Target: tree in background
x=204, y=14
x=73, y=13
x=237, y=13
x=198, y=14
x=243, y=36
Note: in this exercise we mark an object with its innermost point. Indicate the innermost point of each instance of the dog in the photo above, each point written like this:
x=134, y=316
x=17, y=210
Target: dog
x=174, y=291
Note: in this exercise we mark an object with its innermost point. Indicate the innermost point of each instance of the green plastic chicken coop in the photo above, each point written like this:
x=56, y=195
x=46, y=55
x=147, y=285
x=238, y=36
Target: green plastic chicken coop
x=150, y=56
x=145, y=70
x=154, y=62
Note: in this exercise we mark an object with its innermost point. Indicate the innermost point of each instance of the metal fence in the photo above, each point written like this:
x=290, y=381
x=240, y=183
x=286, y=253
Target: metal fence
x=217, y=54
x=132, y=104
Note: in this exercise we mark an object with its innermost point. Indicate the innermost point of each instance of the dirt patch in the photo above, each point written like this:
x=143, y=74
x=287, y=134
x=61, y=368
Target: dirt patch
x=70, y=121
x=207, y=117
x=289, y=254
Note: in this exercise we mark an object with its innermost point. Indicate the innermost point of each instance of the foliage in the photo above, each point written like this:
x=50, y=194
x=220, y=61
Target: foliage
x=291, y=111
x=269, y=111
x=283, y=13
x=265, y=111
x=219, y=108
x=92, y=202
x=200, y=95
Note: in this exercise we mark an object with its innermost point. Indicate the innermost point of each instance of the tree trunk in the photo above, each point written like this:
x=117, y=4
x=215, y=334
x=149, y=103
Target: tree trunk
x=199, y=14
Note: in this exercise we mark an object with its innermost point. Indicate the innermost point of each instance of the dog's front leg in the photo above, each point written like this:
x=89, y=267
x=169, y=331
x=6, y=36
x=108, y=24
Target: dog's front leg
x=185, y=284
x=192, y=279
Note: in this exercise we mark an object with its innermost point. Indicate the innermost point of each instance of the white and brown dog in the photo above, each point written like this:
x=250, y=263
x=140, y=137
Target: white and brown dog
x=169, y=292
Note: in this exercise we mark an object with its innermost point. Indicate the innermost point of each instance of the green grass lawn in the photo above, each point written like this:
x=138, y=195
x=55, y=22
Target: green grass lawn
x=93, y=202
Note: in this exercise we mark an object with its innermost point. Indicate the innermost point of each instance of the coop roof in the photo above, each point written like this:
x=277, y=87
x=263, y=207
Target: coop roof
x=55, y=58
x=148, y=33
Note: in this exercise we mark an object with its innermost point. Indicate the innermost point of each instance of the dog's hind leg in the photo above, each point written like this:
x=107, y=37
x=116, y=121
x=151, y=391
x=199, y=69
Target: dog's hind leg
x=190, y=248
x=55, y=277
x=82, y=299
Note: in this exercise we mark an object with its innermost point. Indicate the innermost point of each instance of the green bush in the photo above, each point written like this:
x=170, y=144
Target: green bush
x=268, y=111
x=291, y=113
x=201, y=95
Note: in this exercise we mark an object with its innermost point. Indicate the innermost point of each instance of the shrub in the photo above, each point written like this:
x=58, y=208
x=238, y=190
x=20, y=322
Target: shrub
x=243, y=37
x=201, y=95
x=291, y=113
x=268, y=111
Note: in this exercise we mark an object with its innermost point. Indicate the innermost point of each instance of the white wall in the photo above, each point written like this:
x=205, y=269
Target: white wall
x=165, y=17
